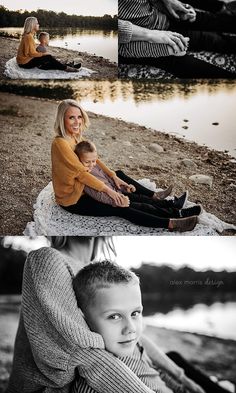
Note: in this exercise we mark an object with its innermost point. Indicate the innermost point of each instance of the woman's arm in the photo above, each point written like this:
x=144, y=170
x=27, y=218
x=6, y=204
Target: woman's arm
x=30, y=47
x=174, y=42
x=160, y=359
x=59, y=337
x=66, y=166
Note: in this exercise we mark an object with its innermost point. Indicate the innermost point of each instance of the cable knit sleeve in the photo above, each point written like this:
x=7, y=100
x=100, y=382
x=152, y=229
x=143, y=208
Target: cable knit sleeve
x=58, y=336
x=125, y=31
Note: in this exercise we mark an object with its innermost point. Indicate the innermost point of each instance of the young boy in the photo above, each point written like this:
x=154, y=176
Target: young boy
x=44, y=42
x=42, y=47
x=87, y=154
x=110, y=299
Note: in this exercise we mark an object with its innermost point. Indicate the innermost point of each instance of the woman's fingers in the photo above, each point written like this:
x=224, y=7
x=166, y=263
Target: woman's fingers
x=176, y=41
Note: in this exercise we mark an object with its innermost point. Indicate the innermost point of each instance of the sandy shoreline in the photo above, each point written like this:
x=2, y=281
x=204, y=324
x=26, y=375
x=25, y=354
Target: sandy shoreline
x=26, y=133
x=103, y=67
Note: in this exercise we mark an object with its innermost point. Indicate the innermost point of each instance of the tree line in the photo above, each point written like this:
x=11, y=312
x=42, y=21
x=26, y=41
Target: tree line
x=154, y=279
x=51, y=19
x=164, y=279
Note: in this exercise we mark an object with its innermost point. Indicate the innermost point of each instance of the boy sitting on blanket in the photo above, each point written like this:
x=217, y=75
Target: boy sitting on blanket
x=110, y=299
x=174, y=208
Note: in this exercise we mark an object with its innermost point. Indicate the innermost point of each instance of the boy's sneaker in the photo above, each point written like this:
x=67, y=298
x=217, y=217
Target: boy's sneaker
x=191, y=211
x=180, y=203
x=78, y=65
x=183, y=224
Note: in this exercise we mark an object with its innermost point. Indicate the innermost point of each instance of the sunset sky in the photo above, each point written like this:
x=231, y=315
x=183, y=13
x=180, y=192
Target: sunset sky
x=79, y=7
x=199, y=252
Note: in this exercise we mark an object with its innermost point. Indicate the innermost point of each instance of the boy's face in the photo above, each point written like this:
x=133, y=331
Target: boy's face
x=44, y=40
x=116, y=314
x=89, y=159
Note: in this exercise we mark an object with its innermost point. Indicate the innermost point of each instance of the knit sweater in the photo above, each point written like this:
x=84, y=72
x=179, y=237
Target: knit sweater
x=142, y=366
x=53, y=337
x=69, y=176
x=27, y=49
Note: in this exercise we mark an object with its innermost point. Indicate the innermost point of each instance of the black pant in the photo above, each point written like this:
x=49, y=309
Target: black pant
x=46, y=62
x=182, y=67
x=196, y=375
x=142, y=200
x=88, y=206
x=208, y=5
x=206, y=33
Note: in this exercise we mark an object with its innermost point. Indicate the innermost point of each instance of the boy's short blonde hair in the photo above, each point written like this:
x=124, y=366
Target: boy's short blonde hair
x=43, y=34
x=84, y=147
x=98, y=275
x=59, y=125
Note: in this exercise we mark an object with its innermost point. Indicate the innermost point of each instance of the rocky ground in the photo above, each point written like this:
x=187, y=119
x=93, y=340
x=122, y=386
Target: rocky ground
x=26, y=132
x=103, y=67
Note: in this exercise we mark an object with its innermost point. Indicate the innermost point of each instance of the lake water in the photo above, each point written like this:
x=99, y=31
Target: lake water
x=218, y=319
x=99, y=42
x=200, y=112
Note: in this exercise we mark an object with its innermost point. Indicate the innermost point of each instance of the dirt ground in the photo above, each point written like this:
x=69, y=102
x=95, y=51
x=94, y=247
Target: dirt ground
x=26, y=132
x=103, y=67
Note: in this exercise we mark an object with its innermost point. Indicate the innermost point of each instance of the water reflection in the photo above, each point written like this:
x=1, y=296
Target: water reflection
x=94, y=41
x=217, y=320
x=203, y=112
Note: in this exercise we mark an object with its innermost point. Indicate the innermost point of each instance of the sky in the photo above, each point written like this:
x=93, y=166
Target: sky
x=198, y=252
x=79, y=7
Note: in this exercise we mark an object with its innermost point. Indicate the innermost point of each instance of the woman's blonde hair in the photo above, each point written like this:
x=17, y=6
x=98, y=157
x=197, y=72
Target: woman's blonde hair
x=29, y=24
x=59, y=125
x=104, y=244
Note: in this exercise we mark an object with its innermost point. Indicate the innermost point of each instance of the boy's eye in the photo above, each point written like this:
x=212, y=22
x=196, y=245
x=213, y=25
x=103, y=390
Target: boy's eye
x=114, y=317
x=136, y=313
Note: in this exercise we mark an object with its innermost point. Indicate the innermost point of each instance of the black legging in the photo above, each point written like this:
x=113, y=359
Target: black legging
x=46, y=62
x=88, y=206
x=206, y=33
x=196, y=375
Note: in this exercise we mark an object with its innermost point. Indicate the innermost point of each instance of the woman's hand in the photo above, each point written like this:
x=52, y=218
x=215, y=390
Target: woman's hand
x=177, y=42
x=119, y=199
x=191, y=385
x=119, y=182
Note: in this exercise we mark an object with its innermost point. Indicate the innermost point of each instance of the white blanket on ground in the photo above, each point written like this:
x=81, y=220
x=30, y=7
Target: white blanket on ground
x=51, y=219
x=13, y=71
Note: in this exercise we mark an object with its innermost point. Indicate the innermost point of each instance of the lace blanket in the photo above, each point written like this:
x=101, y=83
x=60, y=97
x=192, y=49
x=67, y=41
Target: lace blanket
x=13, y=71
x=51, y=219
x=227, y=62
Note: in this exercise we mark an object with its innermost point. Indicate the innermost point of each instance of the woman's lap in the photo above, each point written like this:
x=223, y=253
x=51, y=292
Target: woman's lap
x=90, y=207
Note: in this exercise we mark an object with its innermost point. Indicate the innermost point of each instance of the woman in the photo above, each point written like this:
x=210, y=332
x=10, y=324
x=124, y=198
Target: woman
x=53, y=339
x=160, y=36
x=69, y=177
x=28, y=57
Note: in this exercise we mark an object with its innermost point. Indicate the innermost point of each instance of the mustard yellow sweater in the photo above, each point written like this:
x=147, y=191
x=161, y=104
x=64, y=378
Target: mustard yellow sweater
x=27, y=49
x=69, y=176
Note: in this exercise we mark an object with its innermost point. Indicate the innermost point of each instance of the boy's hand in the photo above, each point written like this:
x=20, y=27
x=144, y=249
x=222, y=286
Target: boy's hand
x=130, y=188
x=119, y=182
x=190, y=15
